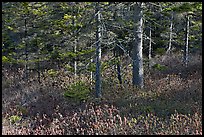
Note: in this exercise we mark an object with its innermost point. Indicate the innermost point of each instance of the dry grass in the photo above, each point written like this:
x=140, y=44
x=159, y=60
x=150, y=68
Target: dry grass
x=171, y=103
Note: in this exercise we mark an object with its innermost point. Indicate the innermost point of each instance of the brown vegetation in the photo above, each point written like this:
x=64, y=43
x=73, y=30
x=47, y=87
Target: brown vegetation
x=171, y=103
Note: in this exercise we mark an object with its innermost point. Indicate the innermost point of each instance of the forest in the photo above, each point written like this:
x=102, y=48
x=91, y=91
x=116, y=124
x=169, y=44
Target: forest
x=102, y=68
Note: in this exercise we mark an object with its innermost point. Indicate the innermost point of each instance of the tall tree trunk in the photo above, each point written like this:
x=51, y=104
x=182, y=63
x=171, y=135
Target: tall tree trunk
x=118, y=65
x=75, y=62
x=117, y=54
x=38, y=69
x=98, y=52
x=186, y=41
x=38, y=62
x=170, y=38
x=170, y=33
x=150, y=47
x=91, y=75
x=26, y=51
x=138, y=79
x=75, y=49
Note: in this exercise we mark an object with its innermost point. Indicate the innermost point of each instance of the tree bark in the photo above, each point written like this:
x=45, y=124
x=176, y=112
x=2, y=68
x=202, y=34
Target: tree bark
x=150, y=47
x=170, y=38
x=98, y=52
x=26, y=51
x=38, y=62
x=138, y=79
x=170, y=34
x=75, y=62
x=75, y=50
x=91, y=74
x=186, y=42
x=119, y=71
x=117, y=54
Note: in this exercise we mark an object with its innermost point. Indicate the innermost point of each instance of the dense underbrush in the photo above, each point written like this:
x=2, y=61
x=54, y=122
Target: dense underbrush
x=170, y=103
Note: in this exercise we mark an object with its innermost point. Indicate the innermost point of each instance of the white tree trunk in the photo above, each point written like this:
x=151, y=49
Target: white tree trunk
x=75, y=62
x=98, y=52
x=170, y=38
x=150, y=47
x=75, y=50
x=186, y=44
x=137, y=47
x=91, y=77
x=170, y=34
x=26, y=52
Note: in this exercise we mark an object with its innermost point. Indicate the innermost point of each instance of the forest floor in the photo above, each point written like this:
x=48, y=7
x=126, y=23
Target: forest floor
x=170, y=103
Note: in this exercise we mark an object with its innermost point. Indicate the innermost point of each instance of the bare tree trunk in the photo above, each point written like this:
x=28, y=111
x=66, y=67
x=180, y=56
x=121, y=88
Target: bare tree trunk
x=170, y=34
x=117, y=54
x=38, y=70
x=118, y=65
x=170, y=38
x=26, y=52
x=186, y=40
x=91, y=75
x=75, y=62
x=38, y=62
x=138, y=79
x=75, y=50
x=150, y=47
x=98, y=52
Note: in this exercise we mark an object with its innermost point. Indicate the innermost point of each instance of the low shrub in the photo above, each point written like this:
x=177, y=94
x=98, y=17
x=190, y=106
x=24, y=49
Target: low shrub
x=79, y=90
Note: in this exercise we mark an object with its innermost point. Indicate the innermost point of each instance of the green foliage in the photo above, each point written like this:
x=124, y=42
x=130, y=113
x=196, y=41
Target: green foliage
x=104, y=65
x=69, y=68
x=15, y=118
x=10, y=28
x=38, y=12
x=160, y=51
x=67, y=54
x=183, y=8
x=5, y=59
x=91, y=67
x=159, y=67
x=84, y=52
x=52, y=72
x=112, y=62
x=198, y=6
x=187, y=7
x=55, y=55
x=67, y=17
x=78, y=54
x=8, y=59
x=79, y=91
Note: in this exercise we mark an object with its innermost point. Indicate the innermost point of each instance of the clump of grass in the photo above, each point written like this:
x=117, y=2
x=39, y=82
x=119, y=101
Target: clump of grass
x=15, y=118
x=52, y=72
x=159, y=67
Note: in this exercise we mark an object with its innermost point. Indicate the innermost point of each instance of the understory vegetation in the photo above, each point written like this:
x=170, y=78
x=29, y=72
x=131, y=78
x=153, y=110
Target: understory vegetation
x=170, y=103
x=102, y=68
